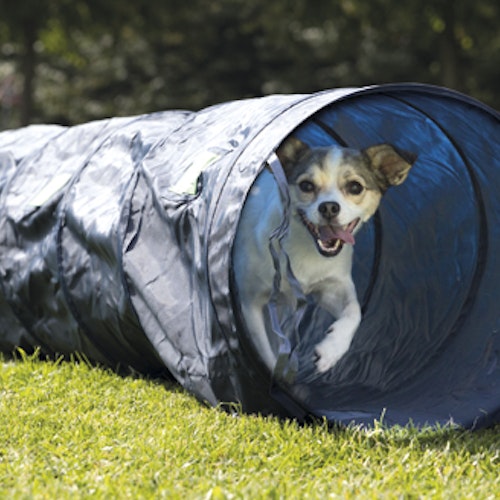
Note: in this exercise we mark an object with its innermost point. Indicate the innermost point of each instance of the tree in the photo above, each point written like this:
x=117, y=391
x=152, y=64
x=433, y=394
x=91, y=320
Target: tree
x=86, y=59
x=48, y=33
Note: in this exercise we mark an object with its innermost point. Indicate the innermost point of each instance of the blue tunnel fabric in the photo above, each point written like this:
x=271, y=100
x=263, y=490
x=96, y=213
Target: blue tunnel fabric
x=432, y=262
x=116, y=242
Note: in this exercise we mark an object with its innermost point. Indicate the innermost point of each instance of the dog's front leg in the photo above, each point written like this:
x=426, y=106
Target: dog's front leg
x=342, y=302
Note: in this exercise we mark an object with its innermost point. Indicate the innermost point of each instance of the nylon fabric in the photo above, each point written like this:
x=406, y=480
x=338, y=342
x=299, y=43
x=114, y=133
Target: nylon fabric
x=116, y=242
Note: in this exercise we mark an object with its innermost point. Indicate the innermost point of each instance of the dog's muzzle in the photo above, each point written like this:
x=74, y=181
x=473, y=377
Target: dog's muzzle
x=329, y=238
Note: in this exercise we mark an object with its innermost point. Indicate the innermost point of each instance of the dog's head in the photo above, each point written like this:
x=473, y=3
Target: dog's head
x=333, y=190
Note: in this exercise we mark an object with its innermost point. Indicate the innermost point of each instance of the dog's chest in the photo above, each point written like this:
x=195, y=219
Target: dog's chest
x=314, y=271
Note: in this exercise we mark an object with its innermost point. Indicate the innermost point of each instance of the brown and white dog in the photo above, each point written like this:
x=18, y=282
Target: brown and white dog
x=333, y=191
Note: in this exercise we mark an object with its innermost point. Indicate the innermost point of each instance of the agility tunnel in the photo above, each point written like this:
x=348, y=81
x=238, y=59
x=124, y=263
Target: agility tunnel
x=117, y=237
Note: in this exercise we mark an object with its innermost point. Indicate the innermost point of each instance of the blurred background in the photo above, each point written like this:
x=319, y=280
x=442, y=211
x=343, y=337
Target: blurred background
x=70, y=61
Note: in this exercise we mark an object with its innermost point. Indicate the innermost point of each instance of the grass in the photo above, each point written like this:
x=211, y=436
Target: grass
x=72, y=431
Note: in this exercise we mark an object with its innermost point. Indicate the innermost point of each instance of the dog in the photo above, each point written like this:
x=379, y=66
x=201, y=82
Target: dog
x=332, y=191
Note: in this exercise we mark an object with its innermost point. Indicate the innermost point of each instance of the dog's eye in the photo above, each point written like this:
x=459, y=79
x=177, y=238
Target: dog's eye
x=307, y=186
x=354, y=187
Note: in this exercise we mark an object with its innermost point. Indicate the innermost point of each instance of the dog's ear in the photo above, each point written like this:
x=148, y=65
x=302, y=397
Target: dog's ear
x=291, y=150
x=390, y=165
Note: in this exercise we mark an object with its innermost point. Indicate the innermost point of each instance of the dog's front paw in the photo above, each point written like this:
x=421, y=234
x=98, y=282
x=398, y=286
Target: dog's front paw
x=329, y=351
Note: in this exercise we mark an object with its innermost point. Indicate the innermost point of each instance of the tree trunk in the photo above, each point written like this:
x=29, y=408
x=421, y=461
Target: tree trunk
x=449, y=49
x=28, y=66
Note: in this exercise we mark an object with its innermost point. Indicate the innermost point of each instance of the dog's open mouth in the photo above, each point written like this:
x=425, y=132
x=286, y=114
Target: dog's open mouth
x=329, y=239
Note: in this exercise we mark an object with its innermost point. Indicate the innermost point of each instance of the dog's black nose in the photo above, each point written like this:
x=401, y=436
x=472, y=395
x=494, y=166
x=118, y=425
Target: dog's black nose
x=329, y=209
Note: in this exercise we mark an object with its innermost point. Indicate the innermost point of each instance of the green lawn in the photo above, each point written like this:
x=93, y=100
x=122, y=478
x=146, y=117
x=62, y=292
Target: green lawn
x=72, y=431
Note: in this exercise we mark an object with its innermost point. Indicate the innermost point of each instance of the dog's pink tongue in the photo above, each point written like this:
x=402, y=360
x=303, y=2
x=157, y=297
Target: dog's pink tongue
x=329, y=233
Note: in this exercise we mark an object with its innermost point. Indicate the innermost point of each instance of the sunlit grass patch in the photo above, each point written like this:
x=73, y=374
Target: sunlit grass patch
x=69, y=430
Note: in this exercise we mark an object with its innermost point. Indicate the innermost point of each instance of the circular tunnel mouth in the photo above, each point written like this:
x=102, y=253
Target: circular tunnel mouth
x=418, y=266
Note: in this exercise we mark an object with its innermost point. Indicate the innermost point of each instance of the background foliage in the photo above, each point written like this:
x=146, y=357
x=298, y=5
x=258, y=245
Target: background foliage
x=68, y=61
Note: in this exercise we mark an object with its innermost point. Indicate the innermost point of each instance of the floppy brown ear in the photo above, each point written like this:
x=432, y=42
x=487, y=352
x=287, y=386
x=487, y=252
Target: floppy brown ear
x=391, y=166
x=290, y=150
